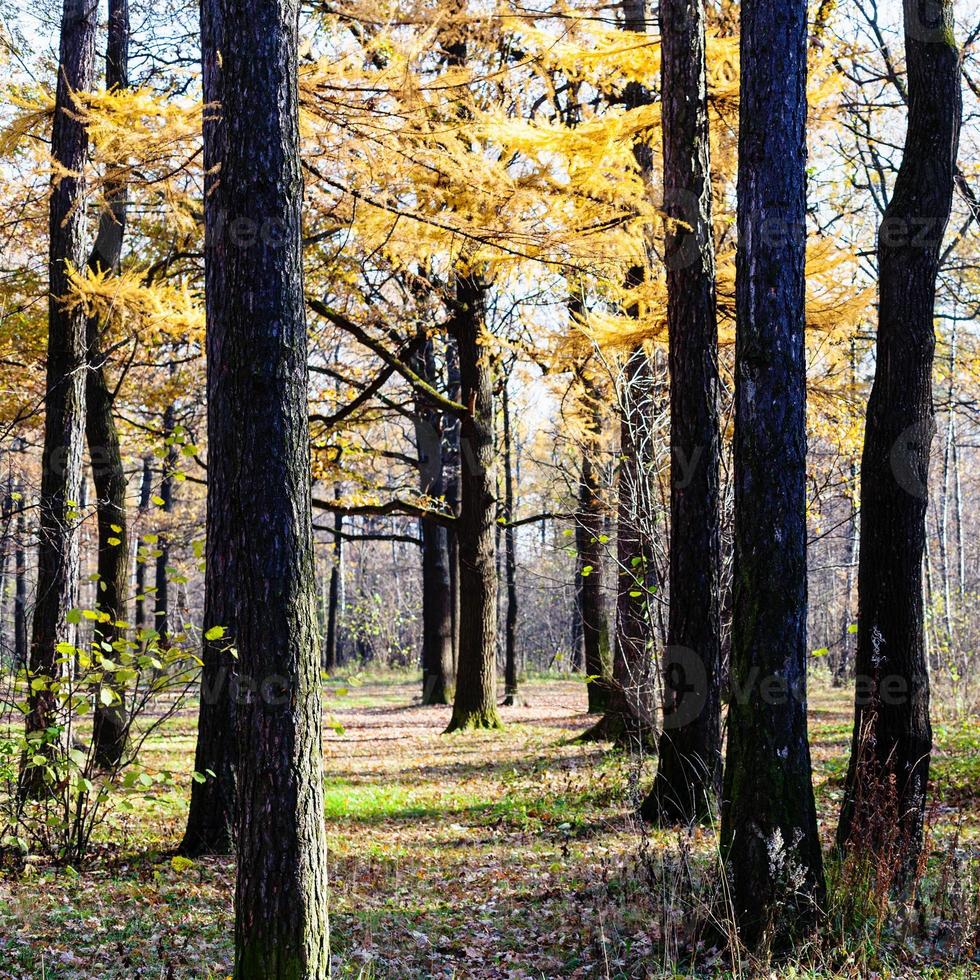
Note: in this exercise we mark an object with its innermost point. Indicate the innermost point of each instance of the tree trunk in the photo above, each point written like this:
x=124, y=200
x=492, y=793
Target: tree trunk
x=109, y=728
x=628, y=719
x=211, y=819
x=161, y=596
x=64, y=403
x=451, y=458
x=768, y=807
x=688, y=780
x=331, y=659
x=259, y=438
x=475, y=702
x=889, y=768
x=591, y=559
x=20, y=588
x=437, y=626
x=146, y=487
x=510, y=561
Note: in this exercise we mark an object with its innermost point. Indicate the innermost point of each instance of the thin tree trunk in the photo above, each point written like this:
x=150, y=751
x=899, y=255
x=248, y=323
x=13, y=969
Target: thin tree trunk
x=475, y=702
x=332, y=658
x=64, y=403
x=628, y=717
x=259, y=438
x=437, y=635
x=211, y=820
x=110, y=723
x=892, y=733
x=451, y=463
x=590, y=551
x=688, y=780
x=20, y=588
x=146, y=487
x=510, y=560
x=161, y=596
x=768, y=807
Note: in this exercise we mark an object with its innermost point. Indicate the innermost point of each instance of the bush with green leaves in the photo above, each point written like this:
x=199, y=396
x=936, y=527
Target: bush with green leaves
x=72, y=791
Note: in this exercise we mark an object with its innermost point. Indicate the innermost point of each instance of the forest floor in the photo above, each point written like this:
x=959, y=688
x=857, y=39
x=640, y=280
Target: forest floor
x=485, y=855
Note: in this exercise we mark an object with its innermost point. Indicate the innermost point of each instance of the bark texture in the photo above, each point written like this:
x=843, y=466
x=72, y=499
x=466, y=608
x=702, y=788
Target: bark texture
x=889, y=767
x=628, y=718
x=475, y=703
x=64, y=403
x=688, y=780
x=591, y=554
x=258, y=363
x=437, y=613
x=110, y=724
x=211, y=818
x=510, y=560
x=769, y=827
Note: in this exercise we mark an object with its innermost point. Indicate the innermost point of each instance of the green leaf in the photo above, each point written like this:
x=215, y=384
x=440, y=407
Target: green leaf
x=215, y=633
x=820, y=652
x=587, y=571
x=853, y=628
x=74, y=616
x=105, y=696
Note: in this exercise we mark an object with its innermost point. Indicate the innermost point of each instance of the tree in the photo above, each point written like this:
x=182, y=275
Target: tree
x=769, y=827
x=64, y=402
x=889, y=766
x=258, y=383
x=475, y=703
x=437, y=627
x=510, y=553
x=590, y=550
x=211, y=818
x=688, y=779
x=109, y=728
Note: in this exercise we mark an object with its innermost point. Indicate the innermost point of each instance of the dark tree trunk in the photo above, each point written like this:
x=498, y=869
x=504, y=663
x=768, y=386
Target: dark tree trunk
x=161, y=596
x=510, y=561
x=768, y=805
x=331, y=658
x=688, y=780
x=578, y=639
x=437, y=613
x=892, y=732
x=451, y=458
x=20, y=589
x=590, y=550
x=475, y=702
x=211, y=818
x=146, y=487
x=64, y=403
x=258, y=388
x=109, y=728
x=627, y=718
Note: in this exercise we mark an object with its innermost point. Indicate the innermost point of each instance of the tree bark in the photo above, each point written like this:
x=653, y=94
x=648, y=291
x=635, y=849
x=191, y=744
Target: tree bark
x=475, y=702
x=889, y=768
x=437, y=626
x=590, y=551
x=110, y=723
x=331, y=658
x=211, y=825
x=64, y=403
x=628, y=718
x=146, y=487
x=161, y=595
x=20, y=589
x=768, y=806
x=688, y=780
x=258, y=388
x=510, y=561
